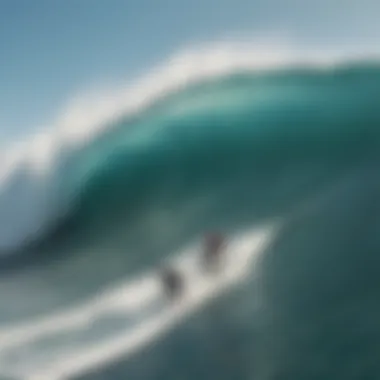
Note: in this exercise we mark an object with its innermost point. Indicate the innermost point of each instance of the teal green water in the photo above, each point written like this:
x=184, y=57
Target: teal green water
x=230, y=153
x=238, y=150
x=311, y=313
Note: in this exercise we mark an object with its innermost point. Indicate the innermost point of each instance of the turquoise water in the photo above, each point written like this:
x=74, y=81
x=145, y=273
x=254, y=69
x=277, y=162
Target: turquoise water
x=234, y=152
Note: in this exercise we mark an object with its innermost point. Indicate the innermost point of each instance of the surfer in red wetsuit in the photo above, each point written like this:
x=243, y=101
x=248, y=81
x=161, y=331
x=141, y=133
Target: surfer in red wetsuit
x=213, y=246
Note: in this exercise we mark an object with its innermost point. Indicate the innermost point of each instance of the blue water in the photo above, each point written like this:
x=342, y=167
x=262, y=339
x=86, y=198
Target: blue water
x=235, y=152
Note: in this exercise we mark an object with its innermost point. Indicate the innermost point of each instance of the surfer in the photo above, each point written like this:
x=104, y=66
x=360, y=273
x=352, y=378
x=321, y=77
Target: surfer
x=172, y=282
x=213, y=246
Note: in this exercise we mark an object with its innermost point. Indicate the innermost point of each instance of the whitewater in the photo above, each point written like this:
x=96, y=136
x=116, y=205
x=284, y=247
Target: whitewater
x=278, y=149
x=141, y=305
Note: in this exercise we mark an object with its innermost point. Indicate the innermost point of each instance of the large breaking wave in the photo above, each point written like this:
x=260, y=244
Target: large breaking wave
x=233, y=129
x=220, y=139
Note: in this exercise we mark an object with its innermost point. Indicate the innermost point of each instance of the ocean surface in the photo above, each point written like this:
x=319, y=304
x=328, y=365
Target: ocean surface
x=283, y=159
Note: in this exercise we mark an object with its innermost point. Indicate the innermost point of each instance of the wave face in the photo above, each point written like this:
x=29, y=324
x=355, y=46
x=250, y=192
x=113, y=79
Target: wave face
x=296, y=144
x=266, y=140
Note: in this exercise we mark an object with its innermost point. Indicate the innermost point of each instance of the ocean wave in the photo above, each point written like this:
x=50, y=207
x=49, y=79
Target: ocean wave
x=210, y=124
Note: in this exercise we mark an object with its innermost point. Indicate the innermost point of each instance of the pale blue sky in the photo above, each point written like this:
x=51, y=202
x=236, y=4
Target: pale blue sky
x=52, y=49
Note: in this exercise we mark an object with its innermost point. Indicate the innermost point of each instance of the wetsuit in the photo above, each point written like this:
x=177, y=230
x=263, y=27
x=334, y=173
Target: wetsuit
x=213, y=247
x=172, y=282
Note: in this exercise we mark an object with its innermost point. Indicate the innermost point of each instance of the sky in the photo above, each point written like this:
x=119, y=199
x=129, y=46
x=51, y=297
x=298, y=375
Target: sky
x=51, y=50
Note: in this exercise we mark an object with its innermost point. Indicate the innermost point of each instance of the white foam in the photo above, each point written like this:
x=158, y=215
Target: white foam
x=63, y=362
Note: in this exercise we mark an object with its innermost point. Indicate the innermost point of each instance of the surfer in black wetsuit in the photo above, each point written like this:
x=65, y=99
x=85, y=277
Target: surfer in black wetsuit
x=172, y=282
x=213, y=246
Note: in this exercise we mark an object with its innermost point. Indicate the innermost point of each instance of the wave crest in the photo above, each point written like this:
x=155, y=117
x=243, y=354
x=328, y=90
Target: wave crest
x=41, y=178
